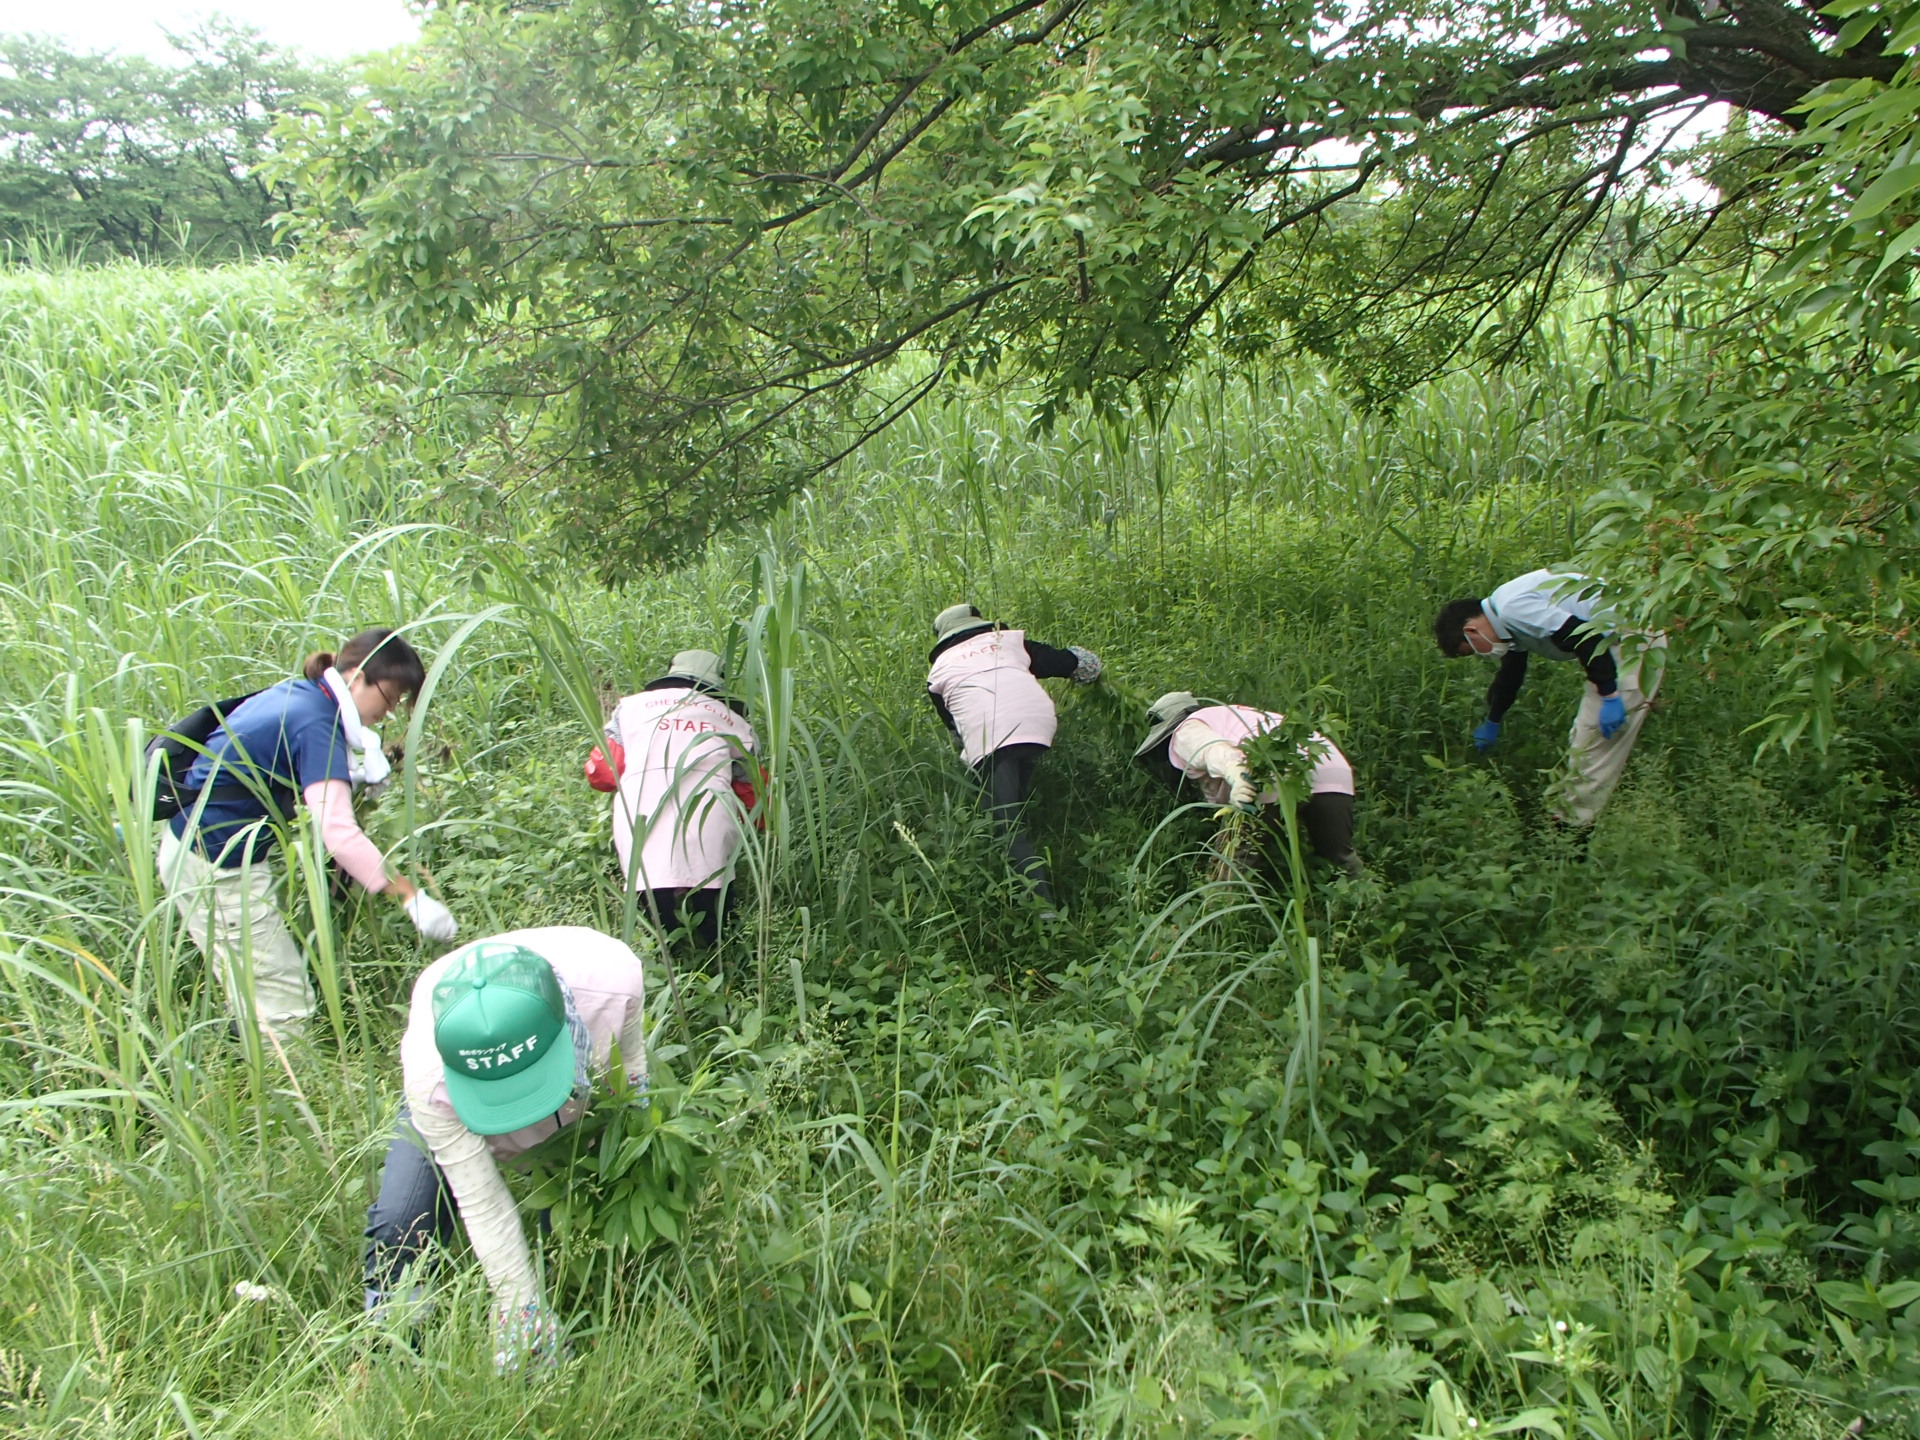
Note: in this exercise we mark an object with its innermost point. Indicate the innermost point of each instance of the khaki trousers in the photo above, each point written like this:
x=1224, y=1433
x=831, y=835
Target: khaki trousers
x=1595, y=763
x=232, y=918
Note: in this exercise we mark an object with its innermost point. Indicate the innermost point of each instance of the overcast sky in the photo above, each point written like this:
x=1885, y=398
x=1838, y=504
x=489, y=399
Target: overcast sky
x=333, y=27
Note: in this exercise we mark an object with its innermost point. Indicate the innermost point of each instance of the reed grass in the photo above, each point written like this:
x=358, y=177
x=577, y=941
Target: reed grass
x=989, y=1178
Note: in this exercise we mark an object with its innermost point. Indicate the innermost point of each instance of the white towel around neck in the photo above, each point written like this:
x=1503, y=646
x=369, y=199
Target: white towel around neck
x=366, y=762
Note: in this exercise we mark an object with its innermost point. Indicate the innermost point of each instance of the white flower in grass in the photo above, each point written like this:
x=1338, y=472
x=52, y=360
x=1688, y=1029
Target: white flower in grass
x=251, y=1292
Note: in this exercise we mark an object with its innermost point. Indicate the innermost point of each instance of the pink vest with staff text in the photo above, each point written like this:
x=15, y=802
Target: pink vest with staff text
x=675, y=789
x=987, y=683
x=1234, y=723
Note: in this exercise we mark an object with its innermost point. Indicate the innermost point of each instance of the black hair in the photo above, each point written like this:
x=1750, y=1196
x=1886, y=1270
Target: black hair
x=381, y=656
x=1450, y=625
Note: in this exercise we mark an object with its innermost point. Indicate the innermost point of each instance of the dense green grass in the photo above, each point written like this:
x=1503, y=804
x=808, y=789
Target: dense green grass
x=1168, y=1170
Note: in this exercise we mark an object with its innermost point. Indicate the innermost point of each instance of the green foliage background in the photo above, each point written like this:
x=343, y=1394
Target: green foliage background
x=108, y=155
x=1524, y=1141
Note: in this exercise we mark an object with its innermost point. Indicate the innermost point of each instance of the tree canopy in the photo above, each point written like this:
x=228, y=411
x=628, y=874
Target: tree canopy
x=696, y=253
x=694, y=239
x=120, y=155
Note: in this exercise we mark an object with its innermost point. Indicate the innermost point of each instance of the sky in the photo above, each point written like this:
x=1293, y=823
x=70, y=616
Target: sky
x=335, y=28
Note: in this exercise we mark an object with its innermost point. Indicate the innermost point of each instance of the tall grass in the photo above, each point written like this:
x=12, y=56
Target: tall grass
x=1213, y=1158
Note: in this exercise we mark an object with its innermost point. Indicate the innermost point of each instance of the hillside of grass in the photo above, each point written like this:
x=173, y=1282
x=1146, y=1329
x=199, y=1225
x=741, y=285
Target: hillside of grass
x=1509, y=1136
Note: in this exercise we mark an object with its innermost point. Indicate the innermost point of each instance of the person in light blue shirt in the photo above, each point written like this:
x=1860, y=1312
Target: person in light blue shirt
x=1559, y=615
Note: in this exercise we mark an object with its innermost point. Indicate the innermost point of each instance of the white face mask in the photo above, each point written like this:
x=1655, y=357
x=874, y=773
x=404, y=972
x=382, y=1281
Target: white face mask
x=1500, y=648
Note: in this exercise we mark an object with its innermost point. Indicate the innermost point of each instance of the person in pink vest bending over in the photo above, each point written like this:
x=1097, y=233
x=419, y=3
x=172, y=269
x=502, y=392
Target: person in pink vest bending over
x=506, y=1040
x=985, y=682
x=675, y=760
x=1189, y=740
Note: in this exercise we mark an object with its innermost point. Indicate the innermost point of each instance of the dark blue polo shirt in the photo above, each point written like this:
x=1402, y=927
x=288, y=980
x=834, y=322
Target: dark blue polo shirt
x=281, y=740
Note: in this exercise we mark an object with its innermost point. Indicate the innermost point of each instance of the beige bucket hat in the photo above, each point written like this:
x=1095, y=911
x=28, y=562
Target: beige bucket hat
x=698, y=667
x=1164, y=717
x=953, y=619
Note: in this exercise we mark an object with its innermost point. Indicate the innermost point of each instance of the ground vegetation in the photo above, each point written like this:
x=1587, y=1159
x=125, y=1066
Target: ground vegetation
x=1508, y=1137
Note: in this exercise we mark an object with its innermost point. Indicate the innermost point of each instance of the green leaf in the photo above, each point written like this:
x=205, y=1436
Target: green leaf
x=1898, y=250
x=1900, y=180
x=1540, y=1418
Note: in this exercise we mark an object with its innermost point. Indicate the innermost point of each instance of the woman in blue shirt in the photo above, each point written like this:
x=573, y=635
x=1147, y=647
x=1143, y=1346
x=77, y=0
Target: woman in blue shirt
x=302, y=741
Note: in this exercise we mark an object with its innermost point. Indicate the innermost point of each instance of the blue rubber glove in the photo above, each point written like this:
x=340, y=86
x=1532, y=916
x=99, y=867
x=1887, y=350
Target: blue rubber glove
x=1485, y=733
x=1613, y=714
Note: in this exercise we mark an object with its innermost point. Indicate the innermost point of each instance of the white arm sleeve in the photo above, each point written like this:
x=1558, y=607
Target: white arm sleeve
x=486, y=1206
x=633, y=1044
x=1205, y=749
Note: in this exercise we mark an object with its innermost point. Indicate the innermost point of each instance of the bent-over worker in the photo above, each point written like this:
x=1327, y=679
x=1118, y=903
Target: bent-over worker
x=984, y=681
x=307, y=741
x=674, y=757
x=1188, y=740
x=1560, y=616
x=504, y=1040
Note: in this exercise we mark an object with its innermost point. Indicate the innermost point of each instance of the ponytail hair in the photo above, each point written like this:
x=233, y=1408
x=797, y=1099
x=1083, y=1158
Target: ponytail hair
x=381, y=656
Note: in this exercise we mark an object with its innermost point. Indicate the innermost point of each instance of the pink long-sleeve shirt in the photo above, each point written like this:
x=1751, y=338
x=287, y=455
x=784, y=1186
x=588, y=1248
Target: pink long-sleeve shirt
x=331, y=802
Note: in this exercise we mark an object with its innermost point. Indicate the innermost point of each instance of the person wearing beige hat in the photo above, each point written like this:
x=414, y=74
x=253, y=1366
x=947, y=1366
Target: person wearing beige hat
x=675, y=758
x=1188, y=740
x=984, y=681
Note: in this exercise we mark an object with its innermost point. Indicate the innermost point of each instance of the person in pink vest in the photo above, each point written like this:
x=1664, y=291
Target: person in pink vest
x=505, y=1041
x=1188, y=740
x=985, y=683
x=675, y=759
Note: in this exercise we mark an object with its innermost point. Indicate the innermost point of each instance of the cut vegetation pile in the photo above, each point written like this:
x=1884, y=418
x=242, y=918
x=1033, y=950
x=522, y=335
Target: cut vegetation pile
x=1501, y=1138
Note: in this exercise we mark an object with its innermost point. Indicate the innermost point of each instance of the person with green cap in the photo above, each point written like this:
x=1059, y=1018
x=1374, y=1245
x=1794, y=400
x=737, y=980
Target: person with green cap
x=504, y=1040
x=675, y=758
x=985, y=684
x=1188, y=740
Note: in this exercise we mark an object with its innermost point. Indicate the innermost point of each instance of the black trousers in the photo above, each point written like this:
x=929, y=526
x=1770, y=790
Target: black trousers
x=1007, y=778
x=1326, y=820
x=698, y=912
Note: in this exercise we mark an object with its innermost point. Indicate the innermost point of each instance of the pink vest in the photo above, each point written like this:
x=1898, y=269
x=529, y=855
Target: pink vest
x=675, y=788
x=1234, y=723
x=988, y=686
x=608, y=988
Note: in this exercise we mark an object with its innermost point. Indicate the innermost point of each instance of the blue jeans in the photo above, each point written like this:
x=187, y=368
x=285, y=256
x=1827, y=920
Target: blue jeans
x=413, y=1207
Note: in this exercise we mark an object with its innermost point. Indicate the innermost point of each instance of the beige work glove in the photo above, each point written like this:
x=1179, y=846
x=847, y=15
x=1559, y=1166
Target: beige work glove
x=1225, y=762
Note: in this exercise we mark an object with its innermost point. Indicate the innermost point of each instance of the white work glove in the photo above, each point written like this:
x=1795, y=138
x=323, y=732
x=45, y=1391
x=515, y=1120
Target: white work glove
x=1225, y=761
x=432, y=919
x=1089, y=668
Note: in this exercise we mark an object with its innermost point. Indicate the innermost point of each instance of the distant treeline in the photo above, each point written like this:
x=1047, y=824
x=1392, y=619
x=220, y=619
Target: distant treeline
x=118, y=155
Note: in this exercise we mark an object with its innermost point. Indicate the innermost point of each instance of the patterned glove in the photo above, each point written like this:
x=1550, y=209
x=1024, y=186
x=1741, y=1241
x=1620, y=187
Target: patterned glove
x=1089, y=668
x=529, y=1337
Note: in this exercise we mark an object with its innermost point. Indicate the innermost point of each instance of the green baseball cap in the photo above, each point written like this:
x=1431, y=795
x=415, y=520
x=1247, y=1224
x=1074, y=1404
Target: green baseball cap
x=500, y=1025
